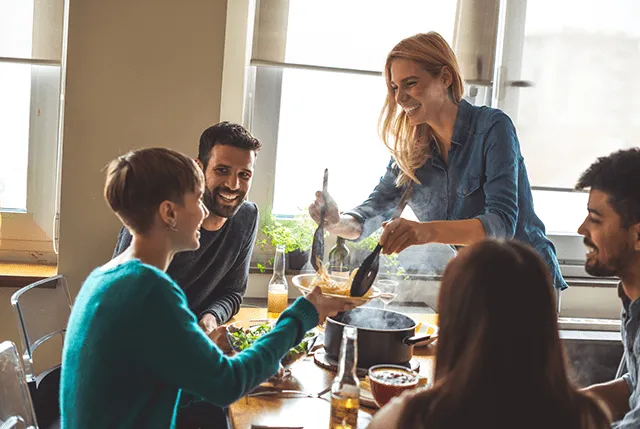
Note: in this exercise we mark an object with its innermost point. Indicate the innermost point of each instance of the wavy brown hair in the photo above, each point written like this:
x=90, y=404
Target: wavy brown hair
x=499, y=361
x=409, y=144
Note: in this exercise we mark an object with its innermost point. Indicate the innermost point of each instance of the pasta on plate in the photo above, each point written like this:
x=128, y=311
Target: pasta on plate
x=330, y=285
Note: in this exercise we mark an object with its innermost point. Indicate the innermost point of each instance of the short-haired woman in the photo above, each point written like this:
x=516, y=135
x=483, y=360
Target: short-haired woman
x=132, y=344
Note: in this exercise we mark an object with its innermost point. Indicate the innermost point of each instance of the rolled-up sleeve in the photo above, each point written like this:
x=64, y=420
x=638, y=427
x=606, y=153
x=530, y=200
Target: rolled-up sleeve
x=380, y=205
x=502, y=155
x=627, y=379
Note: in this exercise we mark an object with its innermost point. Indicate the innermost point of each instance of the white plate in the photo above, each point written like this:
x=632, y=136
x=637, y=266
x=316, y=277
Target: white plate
x=303, y=282
x=427, y=329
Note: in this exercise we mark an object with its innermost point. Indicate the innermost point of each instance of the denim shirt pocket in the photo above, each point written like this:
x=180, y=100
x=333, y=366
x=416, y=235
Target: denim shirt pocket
x=468, y=186
x=470, y=200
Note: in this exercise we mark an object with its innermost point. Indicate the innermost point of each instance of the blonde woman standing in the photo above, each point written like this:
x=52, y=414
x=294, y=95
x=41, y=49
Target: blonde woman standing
x=463, y=161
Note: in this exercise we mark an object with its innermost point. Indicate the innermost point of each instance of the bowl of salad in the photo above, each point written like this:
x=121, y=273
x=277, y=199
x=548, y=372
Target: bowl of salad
x=244, y=333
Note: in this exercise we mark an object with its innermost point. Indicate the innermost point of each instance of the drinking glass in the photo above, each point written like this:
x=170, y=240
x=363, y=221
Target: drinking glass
x=388, y=291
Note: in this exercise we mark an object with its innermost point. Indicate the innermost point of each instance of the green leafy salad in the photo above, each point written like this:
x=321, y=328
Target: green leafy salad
x=242, y=339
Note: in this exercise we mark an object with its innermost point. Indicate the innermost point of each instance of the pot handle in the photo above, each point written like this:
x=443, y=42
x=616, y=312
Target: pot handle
x=416, y=339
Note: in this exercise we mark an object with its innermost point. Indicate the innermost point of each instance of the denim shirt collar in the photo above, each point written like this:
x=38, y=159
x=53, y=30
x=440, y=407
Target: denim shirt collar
x=630, y=309
x=461, y=126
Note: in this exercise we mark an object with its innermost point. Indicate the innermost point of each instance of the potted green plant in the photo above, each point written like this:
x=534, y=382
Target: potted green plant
x=296, y=235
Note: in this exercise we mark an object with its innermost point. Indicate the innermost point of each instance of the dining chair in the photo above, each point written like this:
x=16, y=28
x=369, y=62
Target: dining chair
x=42, y=311
x=16, y=408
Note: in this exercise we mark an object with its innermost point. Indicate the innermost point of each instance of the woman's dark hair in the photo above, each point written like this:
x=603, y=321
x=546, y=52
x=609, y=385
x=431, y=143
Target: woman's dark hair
x=139, y=181
x=499, y=360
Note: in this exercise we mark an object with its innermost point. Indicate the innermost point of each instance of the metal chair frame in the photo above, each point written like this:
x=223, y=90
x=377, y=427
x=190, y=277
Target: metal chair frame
x=28, y=347
x=7, y=347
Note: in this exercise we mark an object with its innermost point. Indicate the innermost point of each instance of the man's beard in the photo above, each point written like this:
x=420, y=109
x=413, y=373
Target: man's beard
x=211, y=201
x=614, y=267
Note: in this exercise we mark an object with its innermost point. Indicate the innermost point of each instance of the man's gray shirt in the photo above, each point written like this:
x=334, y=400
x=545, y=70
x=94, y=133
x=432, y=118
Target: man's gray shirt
x=215, y=276
x=630, y=329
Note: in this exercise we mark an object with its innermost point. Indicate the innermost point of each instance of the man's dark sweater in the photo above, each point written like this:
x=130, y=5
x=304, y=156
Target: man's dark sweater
x=214, y=277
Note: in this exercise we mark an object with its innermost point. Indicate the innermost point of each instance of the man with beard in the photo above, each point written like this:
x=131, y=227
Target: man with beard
x=612, y=236
x=214, y=277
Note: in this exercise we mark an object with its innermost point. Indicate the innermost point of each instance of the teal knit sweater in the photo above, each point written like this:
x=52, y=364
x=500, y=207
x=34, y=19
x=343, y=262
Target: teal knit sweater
x=132, y=344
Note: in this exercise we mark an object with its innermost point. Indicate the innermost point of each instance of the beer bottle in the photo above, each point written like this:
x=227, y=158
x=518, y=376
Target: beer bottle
x=278, y=288
x=345, y=390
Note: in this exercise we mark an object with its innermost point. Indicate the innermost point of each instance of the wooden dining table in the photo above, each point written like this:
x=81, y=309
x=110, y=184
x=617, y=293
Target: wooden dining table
x=276, y=410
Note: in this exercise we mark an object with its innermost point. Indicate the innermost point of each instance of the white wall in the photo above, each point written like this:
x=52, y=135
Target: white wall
x=139, y=74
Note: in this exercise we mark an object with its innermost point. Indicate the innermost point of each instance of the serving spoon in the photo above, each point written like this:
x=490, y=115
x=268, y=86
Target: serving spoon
x=369, y=269
x=317, y=248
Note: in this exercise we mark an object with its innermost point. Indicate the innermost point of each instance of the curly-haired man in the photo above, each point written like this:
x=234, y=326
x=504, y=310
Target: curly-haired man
x=611, y=233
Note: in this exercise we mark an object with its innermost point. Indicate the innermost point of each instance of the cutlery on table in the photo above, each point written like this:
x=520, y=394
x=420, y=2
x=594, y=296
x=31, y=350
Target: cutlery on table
x=290, y=393
x=275, y=427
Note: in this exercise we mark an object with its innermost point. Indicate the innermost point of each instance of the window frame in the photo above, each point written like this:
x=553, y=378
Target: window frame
x=31, y=235
x=570, y=248
x=28, y=235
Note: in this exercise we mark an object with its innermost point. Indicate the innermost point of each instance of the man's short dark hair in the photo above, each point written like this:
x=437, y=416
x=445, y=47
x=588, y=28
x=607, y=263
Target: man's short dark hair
x=225, y=133
x=618, y=175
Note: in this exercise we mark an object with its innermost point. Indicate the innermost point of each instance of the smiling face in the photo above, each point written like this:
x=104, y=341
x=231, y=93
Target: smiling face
x=611, y=246
x=228, y=177
x=420, y=94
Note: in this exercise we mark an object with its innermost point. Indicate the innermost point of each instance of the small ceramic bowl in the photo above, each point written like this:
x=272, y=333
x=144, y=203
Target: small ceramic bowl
x=388, y=381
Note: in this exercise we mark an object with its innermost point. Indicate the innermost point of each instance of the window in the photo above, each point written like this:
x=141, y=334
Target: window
x=329, y=109
x=15, y=87
x=344, y=140
x=581, y=61
x=314, y=95
x=31, y=35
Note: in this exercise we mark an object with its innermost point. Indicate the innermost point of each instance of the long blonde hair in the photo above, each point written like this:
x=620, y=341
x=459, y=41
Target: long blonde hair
x=409, y=144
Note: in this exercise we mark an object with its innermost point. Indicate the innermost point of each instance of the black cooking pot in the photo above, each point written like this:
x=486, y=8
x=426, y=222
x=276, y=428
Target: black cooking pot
x=383, y=336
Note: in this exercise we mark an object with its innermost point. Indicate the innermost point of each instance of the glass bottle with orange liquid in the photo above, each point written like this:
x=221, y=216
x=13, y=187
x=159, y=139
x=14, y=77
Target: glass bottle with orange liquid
x=345, y=390
x=278, y=294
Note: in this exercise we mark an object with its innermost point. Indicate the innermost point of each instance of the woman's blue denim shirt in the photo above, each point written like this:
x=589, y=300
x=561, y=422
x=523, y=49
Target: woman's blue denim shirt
x=485, y=179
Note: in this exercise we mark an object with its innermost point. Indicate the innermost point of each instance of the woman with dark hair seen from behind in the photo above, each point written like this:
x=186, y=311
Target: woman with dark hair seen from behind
x=499, y=360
